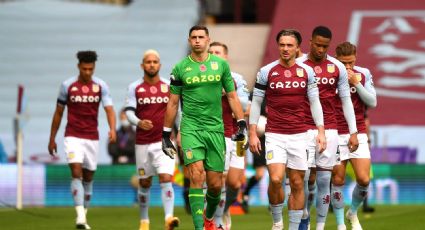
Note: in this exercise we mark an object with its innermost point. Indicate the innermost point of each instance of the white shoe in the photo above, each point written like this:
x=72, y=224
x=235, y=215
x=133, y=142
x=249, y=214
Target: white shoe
x=277, y=226
x=354, y=221
x=341, y=227
x=227, y=220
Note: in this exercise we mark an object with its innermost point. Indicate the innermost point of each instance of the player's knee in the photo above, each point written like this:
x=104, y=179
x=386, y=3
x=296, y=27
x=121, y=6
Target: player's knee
x=363, y=181
x=296, y=185
x=145, y=183
x=338, y=180
x=275, y=181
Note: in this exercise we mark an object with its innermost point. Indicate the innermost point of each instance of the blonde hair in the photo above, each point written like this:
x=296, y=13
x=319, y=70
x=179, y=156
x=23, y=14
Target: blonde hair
x=149, y=52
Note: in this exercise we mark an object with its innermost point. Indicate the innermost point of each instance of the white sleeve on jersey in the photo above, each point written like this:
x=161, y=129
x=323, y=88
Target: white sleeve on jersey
x=258, y=96
x=343, y=85
x=106, y=94
x=241, y=90
x=313, y=96
x=130, y=100
x=367, y=92
x=63, y=94
x=312, y=89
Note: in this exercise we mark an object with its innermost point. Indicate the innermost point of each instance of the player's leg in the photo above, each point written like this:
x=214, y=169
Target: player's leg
x=75, y=156
x=91, y=149
x=214, y=166
x=276, y=157
x=145, y=171
x=164, y=167
x=309, y=179
x=325, y=162
x=218, y=216
x=360, y=160
x=338, y=180
x=296, y=167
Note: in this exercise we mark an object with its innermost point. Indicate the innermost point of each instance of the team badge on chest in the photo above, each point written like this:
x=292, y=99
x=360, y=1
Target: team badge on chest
x=203, y=68
x=95, y=88
x=358, y=76
x=164, y=88
x=300, y=72
x=214, y=65
x=331, y=68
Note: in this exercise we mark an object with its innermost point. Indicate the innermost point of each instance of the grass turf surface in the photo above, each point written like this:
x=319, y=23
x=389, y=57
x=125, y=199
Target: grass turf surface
x=99, y=218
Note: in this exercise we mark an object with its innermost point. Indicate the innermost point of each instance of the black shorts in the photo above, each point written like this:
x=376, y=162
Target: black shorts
x=260, y=160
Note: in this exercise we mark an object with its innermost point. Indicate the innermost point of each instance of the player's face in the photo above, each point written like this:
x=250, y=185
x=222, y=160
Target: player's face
x=349, y=61
x=288, y=48
x=319, y=47
x=218, y=51
x=151, y=65
x=199, y=41
x=86, y=70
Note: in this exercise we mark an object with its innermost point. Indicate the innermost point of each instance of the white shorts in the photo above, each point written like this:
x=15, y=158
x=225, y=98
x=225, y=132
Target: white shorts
x=326, y=159
x=150, y=161
x=83, y=151
x=361, y=152
x=232, y=160
x=287, y=149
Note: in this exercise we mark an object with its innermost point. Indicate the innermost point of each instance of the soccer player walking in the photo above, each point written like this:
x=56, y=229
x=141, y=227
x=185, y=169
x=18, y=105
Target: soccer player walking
x=82, y=95
x=286, y=84
x=331, y=77
x=363, y=96
x=198, y=81
x=146, y=103
x=234, y=168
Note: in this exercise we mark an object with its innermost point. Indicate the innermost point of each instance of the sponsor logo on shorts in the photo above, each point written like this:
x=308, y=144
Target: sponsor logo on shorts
x=189, y=154
x=270, y=155
x=71, y=155
x=141, y=171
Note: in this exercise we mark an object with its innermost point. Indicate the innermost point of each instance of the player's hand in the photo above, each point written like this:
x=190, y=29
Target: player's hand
x=145, y=124
x=254, y=144
x=321, y=142
x=353, y=142
x=52, y=147
x=112, y=134
x=352, y=79
x=168, y=146
x=240, y=135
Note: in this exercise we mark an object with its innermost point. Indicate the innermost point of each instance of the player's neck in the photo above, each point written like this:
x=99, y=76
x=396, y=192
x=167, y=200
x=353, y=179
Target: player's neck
x=84, y=81
x=199, y=57
x=287, y=63
x=316, y=60
x=151, y=80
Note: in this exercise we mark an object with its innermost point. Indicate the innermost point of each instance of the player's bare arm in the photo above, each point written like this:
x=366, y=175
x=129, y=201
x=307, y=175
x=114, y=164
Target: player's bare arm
x=110, y=115
x=145, y=124
x=56, y=122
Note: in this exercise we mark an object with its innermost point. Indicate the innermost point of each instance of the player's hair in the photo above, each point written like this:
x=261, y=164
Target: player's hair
x=345, y=49
x=149, y=52
x=322, y=31
x=289, y=32
x=87, y=56
x=226, y=49
x=199, y=27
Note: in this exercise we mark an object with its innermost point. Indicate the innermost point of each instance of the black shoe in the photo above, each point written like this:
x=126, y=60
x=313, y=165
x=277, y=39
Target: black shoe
x=368, y=209
x=82, y=226
x=245, y=205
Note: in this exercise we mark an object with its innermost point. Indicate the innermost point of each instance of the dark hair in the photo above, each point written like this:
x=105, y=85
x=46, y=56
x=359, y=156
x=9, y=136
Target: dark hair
x=199, y=27
x=345, y=49
x=290, y=32
x=87, y=56
x=322, y=31
x=226, y=49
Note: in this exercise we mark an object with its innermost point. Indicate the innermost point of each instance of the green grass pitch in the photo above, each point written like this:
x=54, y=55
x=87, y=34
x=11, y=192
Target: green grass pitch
x=386, y=217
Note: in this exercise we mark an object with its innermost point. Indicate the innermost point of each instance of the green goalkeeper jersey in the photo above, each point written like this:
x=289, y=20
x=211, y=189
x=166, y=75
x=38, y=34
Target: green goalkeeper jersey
x=200, y=85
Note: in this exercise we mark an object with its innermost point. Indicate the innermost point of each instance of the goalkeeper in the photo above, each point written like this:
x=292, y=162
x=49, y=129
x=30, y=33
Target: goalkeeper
x=198, y=80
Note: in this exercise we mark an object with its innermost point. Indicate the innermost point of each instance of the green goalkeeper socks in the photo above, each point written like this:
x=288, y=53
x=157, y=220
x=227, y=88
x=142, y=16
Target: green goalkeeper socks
x=212, y=202
x=196, y=200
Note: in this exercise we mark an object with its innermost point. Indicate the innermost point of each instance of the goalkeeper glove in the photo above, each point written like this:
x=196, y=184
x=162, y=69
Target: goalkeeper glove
x=168, y=146
x=241, y=133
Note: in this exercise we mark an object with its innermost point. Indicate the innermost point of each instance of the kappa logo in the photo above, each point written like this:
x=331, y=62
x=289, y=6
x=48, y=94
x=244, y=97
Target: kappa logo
x=74, y=88
x=188, y=69
x=274, y=74
x=141, y=90
x=199, y=212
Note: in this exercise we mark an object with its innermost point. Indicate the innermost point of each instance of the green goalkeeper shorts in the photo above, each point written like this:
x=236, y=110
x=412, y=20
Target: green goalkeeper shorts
x=205, y=146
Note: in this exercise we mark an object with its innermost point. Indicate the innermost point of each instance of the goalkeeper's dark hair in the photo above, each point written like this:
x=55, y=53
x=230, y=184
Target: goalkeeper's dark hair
x=290, y=32
x=322, y=31
x=87, y=56
x=199, y=27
